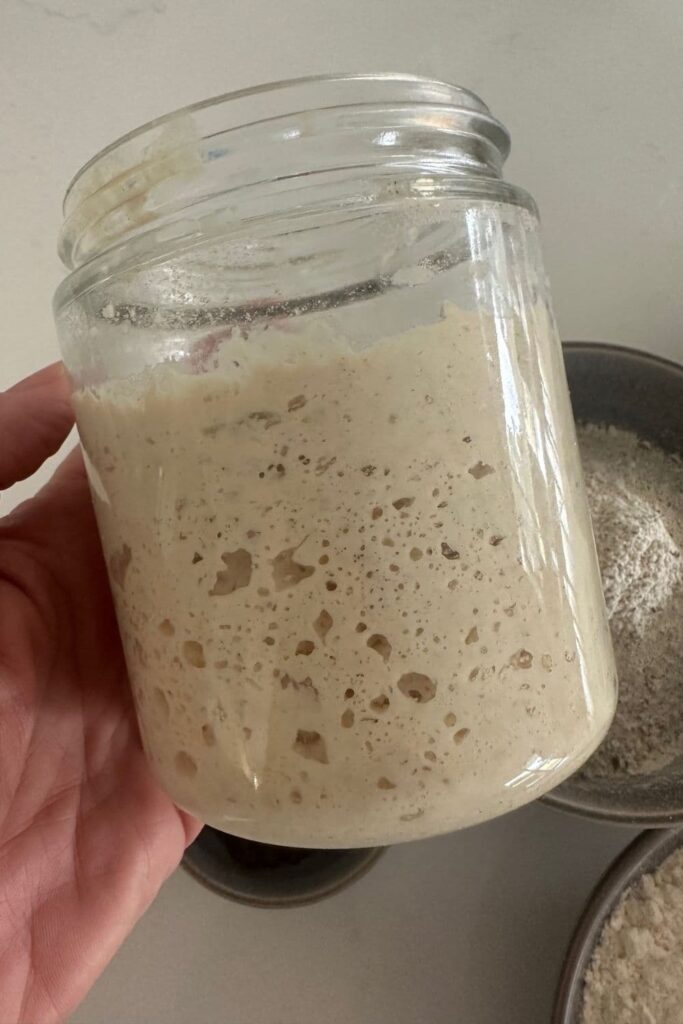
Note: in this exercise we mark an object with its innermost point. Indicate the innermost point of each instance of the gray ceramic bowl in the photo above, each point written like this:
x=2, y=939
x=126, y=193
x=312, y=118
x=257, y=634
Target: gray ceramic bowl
x=640, y=392
x=644, y=854
x=273, y=876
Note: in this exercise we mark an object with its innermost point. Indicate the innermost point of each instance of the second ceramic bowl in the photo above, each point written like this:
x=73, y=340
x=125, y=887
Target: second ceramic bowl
x=644, y=855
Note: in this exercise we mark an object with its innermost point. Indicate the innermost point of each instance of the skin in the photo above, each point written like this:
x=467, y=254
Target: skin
x=87, y=837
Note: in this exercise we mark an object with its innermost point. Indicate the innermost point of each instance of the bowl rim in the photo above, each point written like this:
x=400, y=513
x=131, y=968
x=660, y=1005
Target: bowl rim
x=610, y=348
x=355, y=863
x=632, y=818
x=642, y=856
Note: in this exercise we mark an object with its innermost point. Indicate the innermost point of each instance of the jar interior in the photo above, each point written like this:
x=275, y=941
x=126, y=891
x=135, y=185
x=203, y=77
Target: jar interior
x=325, y=422
x=244, y=405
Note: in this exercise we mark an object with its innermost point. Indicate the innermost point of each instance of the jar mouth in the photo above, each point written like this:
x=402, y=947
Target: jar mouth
x=269, y=131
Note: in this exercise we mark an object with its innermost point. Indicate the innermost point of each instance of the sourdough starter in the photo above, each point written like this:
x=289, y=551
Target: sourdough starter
x=356, y=587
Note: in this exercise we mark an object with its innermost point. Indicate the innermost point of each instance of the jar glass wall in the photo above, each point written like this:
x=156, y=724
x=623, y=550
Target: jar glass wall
x=324, y=416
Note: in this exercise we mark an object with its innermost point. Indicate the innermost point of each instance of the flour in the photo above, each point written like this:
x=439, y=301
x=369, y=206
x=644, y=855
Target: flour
x=636, y=497
x=635, y=976
x=641, y=561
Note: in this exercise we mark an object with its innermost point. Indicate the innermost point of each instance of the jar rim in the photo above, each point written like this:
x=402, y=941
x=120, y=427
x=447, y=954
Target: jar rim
x=175, y=145
x=426, y=90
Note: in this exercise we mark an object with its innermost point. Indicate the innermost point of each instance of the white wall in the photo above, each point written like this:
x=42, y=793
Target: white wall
x=590, y=90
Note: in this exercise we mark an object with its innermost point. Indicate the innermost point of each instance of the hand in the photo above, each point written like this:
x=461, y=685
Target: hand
x=86, y=835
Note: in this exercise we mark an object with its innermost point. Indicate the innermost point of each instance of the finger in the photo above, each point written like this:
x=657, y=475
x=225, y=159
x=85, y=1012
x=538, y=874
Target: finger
x=67, y=496
x=62, y=504
x=35, y=418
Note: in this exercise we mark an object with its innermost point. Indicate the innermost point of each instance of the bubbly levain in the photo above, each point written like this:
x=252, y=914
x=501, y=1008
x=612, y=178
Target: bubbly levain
x=356, y=604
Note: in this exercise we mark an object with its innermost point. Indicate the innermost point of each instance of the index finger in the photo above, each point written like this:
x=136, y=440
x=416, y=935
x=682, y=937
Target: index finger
x=35, y=419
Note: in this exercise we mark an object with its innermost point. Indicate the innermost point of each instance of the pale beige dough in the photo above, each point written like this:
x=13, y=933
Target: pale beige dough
x=356, y=588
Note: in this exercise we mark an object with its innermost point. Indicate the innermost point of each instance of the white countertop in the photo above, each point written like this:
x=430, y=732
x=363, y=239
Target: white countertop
x=471, y=928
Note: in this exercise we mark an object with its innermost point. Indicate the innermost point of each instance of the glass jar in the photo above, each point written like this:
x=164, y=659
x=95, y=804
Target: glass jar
x=325, y=420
